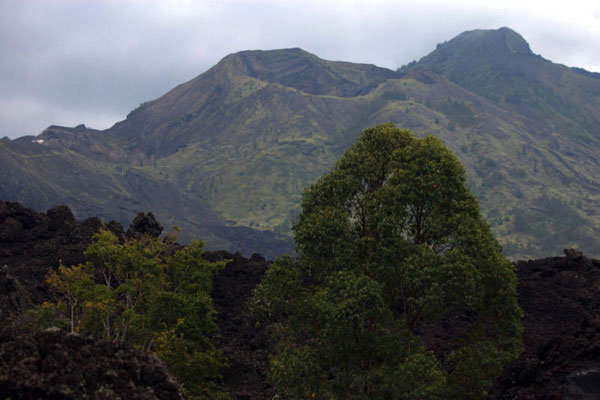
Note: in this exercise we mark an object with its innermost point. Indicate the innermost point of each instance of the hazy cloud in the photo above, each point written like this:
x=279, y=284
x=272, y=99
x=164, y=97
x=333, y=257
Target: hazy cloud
x=69, y=61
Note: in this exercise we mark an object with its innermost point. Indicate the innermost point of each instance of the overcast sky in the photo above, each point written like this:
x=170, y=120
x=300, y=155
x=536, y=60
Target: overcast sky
x=68, y=62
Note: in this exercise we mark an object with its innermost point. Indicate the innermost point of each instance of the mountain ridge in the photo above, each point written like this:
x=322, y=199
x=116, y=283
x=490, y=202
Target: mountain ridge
x=244, y=139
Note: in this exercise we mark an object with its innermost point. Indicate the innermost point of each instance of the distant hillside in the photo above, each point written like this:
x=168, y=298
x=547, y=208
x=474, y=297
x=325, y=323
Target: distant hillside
x=543, y=172
x=87, y=171
x=237, y=145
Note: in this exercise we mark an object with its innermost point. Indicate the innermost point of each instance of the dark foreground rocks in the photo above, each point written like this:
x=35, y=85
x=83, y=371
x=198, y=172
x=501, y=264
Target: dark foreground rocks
x=561, y=360
x=55, y=365
x=30, y=244
x=242, y=339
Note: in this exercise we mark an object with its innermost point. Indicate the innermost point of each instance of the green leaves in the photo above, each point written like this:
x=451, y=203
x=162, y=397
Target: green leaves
x=391, y=247
x=150, y=293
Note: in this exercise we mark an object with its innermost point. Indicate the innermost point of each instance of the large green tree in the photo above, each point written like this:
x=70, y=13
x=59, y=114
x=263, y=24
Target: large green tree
x=400, y=290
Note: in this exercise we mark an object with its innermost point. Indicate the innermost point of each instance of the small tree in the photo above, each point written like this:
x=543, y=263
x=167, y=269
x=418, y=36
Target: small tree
x=150, y=293
x=392, y=249
x=73, y=284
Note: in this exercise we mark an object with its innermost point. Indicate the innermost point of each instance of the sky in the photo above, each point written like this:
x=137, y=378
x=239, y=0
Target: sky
x=67, y=62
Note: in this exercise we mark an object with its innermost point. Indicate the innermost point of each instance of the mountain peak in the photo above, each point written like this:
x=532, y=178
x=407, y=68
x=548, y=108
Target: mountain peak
x=513, y=41
x=489, y=43
x=301, y=70
x=292, y=51
x=484, y=60
x=502, y=50
x=499, y=40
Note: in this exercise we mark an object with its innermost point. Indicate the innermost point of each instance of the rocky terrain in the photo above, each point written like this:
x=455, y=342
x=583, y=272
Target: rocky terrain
x=55, y=365
x=242, y=339
x=561, y=360
x=560, y=297
x=32, y=242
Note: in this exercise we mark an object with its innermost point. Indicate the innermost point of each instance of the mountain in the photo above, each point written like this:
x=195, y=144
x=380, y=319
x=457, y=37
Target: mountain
x=500, y=66
x=228, y=154
x=92, y=174
x=544, y=164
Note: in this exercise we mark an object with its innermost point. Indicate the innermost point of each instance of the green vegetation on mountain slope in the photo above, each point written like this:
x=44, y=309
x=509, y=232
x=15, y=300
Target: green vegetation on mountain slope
x=246, y=137
x=112, y=184
x=552, y=178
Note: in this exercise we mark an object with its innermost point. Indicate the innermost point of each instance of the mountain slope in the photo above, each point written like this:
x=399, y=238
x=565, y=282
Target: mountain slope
x=241, y=131
x=200, y=109
x=61, y=168
x=236, y=146
x=500, y=66
x=555, y=157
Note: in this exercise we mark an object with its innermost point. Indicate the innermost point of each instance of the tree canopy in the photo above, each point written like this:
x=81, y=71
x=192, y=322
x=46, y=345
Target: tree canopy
x=150, y=293
x=400, y=289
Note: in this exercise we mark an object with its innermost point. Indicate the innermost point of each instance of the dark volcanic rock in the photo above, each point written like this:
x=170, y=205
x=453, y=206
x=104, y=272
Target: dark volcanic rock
x=242, y=339
x=561, y=360
x=55, y=365
x=8, y=290
x=31, y=243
